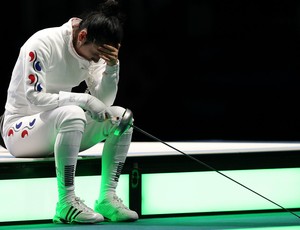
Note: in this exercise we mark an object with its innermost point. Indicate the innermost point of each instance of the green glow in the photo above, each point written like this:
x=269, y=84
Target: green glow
x=35, y=199
x=167, y=193
x=162, y=193
x=117, y=132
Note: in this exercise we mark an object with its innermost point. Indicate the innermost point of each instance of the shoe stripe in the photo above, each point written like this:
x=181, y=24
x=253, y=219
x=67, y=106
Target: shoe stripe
x=75, y=215
x=72, y=214
x=68, y=213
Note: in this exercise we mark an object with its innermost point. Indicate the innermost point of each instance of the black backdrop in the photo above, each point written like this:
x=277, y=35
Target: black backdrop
x=194, y=69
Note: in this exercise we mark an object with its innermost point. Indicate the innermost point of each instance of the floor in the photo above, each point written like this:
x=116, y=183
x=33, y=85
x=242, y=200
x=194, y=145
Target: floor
x=256, y=221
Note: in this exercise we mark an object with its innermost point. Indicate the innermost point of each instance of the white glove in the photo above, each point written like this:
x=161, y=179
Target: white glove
x=96, y=108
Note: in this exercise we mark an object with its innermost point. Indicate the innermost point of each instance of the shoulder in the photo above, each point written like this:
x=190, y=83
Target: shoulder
x=47, y=43
x=52, y=34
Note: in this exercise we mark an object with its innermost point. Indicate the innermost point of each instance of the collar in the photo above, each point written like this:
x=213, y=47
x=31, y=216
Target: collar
x=69, y=35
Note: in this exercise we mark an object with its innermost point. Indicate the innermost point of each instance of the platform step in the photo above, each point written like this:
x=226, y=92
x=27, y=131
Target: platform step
x=158, y=181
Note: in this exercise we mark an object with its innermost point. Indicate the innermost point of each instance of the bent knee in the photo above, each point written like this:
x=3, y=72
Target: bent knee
x=71, y=117
x=117, y=111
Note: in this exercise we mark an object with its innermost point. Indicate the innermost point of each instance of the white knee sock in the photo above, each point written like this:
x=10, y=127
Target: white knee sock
x=114, y=154
x=66, y=152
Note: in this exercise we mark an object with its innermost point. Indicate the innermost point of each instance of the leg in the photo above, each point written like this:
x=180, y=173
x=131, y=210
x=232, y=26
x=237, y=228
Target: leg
x=113, y=158
x=70, y=208
x=59, y=131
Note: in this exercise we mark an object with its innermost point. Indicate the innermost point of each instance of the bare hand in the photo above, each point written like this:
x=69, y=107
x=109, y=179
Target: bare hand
x=109, y=54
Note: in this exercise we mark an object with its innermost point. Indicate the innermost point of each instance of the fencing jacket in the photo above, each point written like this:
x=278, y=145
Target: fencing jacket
x=48, y=64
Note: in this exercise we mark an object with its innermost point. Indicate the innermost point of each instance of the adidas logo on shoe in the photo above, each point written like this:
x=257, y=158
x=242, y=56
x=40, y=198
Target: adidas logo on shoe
x=76, y=212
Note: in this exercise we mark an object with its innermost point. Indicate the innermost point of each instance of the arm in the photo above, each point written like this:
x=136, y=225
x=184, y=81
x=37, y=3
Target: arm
x=103, y=82
x=36, y=56
x=37, y=62
x=103, y=78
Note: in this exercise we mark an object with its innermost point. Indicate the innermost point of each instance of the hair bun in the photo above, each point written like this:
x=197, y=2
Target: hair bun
x=110, y=8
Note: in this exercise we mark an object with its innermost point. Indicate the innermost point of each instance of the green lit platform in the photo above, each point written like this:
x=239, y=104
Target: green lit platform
x=158, y=181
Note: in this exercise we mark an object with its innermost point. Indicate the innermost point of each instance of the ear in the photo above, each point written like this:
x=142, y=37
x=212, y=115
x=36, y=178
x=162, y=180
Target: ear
x=82, y=36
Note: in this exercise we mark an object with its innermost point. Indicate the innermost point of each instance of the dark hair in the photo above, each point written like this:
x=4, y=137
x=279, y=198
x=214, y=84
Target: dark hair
x=104, y=26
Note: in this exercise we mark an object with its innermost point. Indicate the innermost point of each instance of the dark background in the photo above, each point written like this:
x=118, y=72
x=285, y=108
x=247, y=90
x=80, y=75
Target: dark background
x=193, y=69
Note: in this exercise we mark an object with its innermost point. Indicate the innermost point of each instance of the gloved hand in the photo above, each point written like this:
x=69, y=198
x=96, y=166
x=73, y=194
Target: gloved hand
x=96, y=108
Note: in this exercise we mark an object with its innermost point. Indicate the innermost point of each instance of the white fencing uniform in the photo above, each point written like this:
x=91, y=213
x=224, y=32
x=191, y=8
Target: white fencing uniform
x=48, y=64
